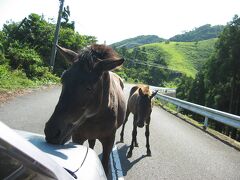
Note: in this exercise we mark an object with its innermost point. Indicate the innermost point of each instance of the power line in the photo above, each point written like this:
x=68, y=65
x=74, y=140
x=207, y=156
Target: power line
x=148, y=63
x=151, y=64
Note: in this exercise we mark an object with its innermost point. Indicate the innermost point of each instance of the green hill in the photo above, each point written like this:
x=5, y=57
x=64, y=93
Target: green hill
x=138, y=41
x=161, y=64
x=198, y=34
x=184, y=57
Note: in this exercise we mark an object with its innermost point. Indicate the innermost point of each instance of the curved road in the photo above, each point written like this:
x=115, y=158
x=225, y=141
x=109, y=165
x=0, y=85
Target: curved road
x=179, y=150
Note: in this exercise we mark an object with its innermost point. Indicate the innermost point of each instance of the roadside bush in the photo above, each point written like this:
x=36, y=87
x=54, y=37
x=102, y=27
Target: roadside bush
x=41, y=75
x=23, y=58
x=13, y=79
x=29, y=61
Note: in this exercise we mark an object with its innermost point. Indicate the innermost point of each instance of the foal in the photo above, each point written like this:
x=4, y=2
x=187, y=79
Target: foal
x=140, y=104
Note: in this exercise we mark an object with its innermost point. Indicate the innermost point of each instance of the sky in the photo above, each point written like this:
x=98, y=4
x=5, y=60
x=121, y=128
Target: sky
x=116, y=20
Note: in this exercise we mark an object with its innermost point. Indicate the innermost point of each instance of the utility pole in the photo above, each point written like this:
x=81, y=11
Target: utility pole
x=53, y=54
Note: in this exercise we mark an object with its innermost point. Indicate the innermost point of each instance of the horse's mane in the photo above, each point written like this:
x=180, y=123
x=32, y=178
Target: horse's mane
x=145, y=89
x=103, y=52
x=95, y=53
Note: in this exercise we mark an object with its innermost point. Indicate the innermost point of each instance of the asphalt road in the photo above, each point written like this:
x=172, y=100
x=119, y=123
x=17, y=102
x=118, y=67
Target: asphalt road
x=179, y=150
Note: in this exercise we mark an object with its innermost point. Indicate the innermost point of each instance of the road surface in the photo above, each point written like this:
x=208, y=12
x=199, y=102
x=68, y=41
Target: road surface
x=179, y=150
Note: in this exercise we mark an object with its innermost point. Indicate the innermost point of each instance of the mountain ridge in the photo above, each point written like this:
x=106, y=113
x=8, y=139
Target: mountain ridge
x=204, y=32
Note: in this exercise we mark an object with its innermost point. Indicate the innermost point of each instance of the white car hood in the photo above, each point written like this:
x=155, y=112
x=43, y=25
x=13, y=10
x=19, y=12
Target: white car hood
x=78, y=160
x=69, y=156
x=32, y=149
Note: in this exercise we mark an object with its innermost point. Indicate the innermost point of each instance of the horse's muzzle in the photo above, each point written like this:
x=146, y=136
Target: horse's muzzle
x=52, y=135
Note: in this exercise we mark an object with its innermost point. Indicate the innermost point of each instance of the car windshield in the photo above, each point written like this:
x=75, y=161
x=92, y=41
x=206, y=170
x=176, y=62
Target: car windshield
x=12, y=168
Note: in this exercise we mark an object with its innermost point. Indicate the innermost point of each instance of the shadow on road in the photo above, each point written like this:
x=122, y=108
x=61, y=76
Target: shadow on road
x=125, y=162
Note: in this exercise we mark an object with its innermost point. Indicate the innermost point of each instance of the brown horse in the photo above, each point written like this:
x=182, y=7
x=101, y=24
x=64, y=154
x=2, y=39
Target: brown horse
x=92, y=104
x=140, y=104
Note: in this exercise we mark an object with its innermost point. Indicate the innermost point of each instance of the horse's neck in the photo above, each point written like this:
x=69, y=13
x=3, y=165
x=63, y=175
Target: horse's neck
x=106, y=85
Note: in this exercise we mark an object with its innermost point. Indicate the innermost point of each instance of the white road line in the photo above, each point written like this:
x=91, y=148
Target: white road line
x=116, y=165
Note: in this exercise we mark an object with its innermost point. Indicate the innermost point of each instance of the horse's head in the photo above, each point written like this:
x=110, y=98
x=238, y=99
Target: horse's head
x=82, y=90
x=144, y=105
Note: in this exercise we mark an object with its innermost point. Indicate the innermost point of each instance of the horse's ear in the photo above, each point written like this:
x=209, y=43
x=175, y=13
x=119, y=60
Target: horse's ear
x=68, y=54
x=140, y=92
x=108, y=64
x=154, y=94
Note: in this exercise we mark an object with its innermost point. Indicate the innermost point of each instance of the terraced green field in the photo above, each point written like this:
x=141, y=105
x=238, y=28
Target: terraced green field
x=185, y=57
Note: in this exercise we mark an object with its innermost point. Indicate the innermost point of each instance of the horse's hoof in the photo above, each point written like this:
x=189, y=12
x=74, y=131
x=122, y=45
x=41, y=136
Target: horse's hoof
x=129, y=155
x=149, y=153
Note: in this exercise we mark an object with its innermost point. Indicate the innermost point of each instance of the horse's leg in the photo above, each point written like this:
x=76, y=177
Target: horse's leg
x=107, y=144
x=123, y=126
x=91, y=143
x=147, y=133
x=135, y=143
x=134, y=134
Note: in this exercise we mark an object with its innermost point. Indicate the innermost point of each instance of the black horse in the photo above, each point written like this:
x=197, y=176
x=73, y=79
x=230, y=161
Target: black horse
x=92, y=104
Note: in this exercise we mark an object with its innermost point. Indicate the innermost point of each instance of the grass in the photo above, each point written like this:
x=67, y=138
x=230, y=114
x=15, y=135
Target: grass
x=11, y=80
x=184, y=57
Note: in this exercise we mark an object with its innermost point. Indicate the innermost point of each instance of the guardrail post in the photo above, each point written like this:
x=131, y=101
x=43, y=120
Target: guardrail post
x=178, y=109
x=205, y=123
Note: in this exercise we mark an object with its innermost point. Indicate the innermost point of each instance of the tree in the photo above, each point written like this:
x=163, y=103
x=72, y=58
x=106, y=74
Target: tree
x=217, y=85
x=65, y=16
x=183, y=87
x=37, y=33
x=223, y=71
x=197, y=90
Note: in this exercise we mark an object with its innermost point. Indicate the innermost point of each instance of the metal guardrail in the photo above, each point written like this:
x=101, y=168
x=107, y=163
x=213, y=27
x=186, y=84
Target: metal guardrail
x=220, y=116
x=167, y=91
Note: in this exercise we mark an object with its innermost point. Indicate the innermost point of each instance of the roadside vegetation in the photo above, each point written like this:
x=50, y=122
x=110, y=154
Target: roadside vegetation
x=25, y=49
x=217, y=84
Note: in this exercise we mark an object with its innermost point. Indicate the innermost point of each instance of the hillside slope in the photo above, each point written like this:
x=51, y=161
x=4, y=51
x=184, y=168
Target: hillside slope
x=137, y=41
x=198, y=34
x=184, y=57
